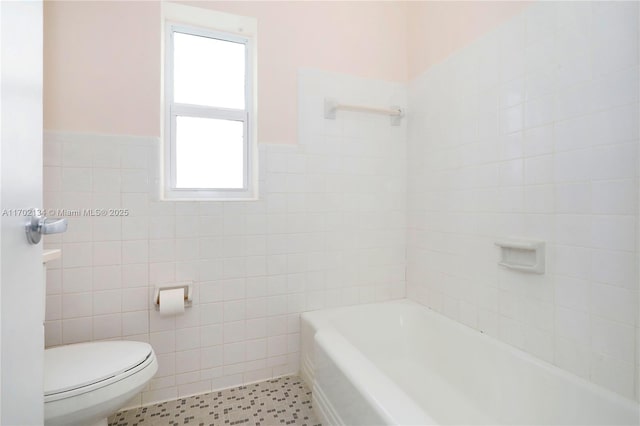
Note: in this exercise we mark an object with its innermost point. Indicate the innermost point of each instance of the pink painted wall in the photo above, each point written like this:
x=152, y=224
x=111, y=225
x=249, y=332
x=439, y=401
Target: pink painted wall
x=102, y=59
x=436, y=29
x=102, y=67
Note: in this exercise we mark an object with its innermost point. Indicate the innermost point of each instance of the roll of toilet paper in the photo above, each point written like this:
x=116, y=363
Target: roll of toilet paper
x=171, y=302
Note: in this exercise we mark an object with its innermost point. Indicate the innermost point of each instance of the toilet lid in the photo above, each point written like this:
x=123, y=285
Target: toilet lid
x=75, y=366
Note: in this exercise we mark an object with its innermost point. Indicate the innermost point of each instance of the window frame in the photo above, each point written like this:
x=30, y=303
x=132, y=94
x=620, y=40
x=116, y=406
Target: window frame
x=172, y=110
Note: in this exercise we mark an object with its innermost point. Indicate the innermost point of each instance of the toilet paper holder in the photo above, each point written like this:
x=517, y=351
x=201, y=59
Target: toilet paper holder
x=188, y=293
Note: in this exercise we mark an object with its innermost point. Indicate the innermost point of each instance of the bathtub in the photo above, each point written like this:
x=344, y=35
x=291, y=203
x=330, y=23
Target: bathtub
x=401, y=363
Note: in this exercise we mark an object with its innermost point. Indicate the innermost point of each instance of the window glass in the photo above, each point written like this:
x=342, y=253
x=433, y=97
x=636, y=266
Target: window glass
x=209, y=153
x=208, y=71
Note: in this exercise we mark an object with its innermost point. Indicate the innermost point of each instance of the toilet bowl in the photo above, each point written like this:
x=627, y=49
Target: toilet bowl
x=84, y=383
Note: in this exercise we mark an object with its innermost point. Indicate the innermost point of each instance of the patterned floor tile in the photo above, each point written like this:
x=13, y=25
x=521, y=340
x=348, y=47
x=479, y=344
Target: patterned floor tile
x=282, y=401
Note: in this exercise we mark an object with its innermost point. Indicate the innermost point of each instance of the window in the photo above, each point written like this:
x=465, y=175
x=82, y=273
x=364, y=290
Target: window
x=209, y=114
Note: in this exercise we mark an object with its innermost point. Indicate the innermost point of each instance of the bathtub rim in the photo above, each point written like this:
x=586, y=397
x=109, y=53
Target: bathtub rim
x=321, y=320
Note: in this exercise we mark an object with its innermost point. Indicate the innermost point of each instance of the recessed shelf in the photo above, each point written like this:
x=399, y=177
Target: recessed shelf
x=522, y=255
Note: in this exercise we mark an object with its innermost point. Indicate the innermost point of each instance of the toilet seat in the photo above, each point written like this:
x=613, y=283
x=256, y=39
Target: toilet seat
x=84, y=367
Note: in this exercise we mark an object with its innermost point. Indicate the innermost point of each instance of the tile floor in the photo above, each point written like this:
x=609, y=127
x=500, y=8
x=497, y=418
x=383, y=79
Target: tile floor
x=282, y=401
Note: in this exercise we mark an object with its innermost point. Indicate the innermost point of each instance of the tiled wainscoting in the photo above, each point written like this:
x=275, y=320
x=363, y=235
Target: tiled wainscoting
x=532, y=132
x=328, y=230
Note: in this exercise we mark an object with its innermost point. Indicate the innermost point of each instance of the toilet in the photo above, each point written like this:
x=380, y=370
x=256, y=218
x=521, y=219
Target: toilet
x=84, y=383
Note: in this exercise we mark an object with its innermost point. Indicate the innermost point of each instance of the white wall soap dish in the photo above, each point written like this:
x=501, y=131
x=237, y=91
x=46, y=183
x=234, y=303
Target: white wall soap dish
x=522, y=255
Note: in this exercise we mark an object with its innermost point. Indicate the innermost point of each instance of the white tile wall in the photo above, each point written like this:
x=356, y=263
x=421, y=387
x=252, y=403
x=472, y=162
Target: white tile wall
x=532, y=131
x=328, y=230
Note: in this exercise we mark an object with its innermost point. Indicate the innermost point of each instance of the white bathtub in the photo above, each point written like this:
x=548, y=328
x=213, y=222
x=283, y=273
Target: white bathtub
x=401, y=363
